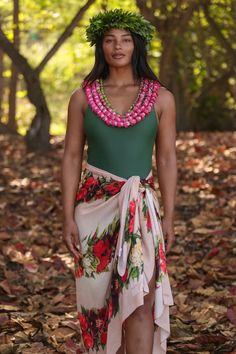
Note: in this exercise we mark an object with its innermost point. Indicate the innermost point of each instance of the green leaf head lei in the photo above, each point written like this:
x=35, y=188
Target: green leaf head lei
x=118, y=18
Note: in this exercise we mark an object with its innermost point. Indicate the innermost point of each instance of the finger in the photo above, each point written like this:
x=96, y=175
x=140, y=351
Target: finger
x=170, y=242
x=78, y=248
x=76, y=239
x=73, y=249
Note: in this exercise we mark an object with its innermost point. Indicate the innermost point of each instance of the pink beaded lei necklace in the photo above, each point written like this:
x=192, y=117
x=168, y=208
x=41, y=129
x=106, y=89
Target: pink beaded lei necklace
x=138, y=111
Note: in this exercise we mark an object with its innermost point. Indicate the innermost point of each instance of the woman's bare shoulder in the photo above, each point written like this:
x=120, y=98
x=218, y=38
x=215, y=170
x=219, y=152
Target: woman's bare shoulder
x=78, y=100
x=164, y=100
x=165, y=96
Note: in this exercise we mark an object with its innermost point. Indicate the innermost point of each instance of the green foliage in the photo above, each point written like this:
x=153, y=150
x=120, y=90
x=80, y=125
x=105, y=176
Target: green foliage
x=213, y=114
x=199, y=57
x=103, y=22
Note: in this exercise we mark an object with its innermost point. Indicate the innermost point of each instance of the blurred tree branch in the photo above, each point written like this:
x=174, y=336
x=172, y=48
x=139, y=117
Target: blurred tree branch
x=66, y=34
x=218, y=33
x=170, y=26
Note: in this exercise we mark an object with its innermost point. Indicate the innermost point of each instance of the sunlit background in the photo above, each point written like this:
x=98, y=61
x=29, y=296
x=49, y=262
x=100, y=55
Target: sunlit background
x=193, y=54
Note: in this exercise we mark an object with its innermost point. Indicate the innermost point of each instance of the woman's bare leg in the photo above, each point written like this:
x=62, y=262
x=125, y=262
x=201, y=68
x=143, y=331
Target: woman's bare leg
x=139, y=326
x=121, y=350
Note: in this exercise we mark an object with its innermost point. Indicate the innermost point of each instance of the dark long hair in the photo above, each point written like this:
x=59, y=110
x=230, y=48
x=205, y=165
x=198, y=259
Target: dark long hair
x=140, y=66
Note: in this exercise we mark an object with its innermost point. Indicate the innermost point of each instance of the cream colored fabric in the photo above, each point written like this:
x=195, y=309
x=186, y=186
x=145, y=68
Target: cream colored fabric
x=135, y=250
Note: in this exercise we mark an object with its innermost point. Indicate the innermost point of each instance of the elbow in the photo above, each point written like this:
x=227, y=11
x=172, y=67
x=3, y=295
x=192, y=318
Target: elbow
x=167, y=161
x=70, y=161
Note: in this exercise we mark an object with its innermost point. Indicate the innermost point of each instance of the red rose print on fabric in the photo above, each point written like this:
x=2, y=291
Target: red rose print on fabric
x=103, y=263
x=81, y=194
x=79, y=272
x=99, y=248
x=162, y=258
x=91, y=181
x=110, y=307
x=125, y=276
x=88, y=340
x=149, y=225
x=104, y=338
x=83, y=322
x=99, y=194
x=102, y=250
x=114, y=187
x=132, y=208
x=94, y=325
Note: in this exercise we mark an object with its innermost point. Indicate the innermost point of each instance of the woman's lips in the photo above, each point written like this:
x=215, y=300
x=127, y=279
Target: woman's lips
x=118, y=56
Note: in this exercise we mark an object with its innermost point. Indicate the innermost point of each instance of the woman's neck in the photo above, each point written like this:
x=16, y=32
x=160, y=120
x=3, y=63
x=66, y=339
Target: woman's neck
x=120, y=77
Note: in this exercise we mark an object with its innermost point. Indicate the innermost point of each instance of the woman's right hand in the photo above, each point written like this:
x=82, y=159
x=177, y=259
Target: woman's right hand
x=71, y=238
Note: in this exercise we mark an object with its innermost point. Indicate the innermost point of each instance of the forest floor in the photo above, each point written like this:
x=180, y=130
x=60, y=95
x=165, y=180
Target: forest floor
x=37, y=288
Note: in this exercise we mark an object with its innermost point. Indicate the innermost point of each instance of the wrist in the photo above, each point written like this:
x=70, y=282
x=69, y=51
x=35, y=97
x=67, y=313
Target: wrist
x=168, y=217
x=67, y=218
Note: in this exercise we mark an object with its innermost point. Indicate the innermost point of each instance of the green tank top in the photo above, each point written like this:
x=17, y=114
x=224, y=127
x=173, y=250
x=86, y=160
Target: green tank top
x=124, y=152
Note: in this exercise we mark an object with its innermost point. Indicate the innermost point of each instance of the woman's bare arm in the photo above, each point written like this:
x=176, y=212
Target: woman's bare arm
x=166, y=160
x=72, y=164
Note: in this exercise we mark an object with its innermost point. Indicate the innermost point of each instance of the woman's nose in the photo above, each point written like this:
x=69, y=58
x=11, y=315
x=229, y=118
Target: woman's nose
x=117, y=44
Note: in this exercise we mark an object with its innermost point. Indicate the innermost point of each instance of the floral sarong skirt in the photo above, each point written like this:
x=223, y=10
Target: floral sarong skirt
x=122, y=242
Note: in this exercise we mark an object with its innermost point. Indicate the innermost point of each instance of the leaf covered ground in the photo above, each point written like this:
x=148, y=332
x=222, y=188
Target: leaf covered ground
x=37, y=288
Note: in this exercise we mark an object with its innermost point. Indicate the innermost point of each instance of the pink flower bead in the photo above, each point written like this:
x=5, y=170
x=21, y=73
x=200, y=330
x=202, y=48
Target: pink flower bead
x=126, y=124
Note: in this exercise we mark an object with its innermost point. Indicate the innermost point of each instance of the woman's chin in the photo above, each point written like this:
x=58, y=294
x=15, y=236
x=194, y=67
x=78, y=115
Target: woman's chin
x=119, y=63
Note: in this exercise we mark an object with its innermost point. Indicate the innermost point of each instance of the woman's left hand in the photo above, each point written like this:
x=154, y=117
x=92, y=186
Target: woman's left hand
x=168, y=232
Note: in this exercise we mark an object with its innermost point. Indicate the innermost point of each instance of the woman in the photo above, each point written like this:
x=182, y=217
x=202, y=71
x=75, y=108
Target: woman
x=112, y=223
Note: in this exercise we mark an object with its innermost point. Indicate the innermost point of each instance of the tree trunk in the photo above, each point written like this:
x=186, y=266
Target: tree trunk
x=166, y=68
x=1, y=83
x=37, y=136
x=12, y=125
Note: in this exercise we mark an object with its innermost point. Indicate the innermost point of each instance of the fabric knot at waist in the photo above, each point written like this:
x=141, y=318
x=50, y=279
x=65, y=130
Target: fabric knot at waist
x=130, y=203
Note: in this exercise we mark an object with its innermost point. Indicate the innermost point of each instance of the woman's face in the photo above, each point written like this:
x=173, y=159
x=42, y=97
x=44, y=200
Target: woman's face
x=118, y=47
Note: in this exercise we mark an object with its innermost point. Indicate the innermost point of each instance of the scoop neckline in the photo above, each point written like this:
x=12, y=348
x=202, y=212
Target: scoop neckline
x=133, y=104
